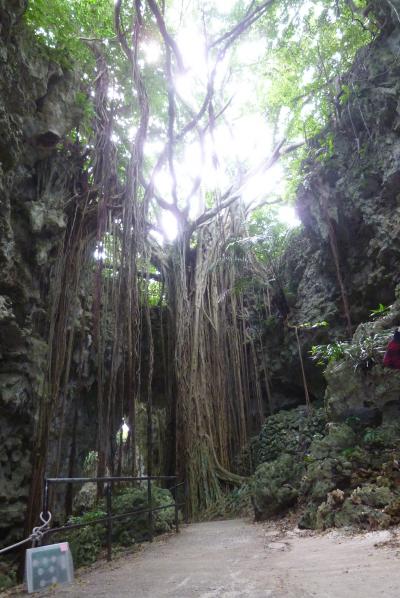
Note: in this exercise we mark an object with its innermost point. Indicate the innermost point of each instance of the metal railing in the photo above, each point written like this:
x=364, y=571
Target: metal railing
x=109, y=518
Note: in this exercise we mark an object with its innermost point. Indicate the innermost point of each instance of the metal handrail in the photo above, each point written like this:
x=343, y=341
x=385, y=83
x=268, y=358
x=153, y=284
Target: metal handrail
x=110, y=480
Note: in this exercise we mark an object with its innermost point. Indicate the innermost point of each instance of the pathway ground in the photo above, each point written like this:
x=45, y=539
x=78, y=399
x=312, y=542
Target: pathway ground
x=238, y=559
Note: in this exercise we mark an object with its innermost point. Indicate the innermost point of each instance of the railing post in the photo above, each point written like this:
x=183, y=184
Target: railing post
x=109, y=522
x=150, y=506
x=176, y=509
x=46, y=499
x=186, y=501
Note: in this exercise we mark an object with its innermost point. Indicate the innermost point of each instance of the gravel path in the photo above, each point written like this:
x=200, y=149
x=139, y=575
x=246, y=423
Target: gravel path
x=237, y=559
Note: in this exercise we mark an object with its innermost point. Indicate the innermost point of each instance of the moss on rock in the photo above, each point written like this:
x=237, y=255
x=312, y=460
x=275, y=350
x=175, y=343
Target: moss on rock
x=290, y=431
x=348, y=476
x=276, y=486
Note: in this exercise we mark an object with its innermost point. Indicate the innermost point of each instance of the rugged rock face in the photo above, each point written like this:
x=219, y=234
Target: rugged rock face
x=348, y=472
x=37, y=107
x=360, y=386
x=360, y=177
x=289, y=432
x=346, y=475
x=349, y=203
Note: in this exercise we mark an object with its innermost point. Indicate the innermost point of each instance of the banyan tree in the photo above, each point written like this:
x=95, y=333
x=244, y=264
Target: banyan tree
x=152, y=308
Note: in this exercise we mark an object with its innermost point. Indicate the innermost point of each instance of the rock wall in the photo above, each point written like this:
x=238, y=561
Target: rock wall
x=37, y=108
x=361, y=177
x=350, y=196
x=358, y=385
x=341, y=474
x=347, y=472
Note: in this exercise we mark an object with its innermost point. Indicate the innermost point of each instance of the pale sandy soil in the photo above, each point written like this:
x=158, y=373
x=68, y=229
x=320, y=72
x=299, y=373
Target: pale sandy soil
x=238, y=559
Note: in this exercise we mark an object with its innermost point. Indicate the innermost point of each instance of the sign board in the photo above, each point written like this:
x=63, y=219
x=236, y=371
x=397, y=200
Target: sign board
x=48, y=565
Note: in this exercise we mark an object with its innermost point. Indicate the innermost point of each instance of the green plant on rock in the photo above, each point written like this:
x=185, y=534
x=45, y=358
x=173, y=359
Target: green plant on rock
x=381, y=310
x=313, y=325
x=367, y=352
x=324, y=354
x=363, y=352
x=326, y=151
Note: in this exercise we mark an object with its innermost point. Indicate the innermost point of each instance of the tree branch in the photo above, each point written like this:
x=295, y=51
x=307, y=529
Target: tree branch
x=119, y=30
x=251, y=17
x=228, y=200
x=168, y=39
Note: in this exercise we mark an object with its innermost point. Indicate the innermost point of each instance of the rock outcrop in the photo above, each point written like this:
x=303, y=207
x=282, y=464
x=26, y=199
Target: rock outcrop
x=37, y=108
x=349, y=249
x=347, y=475
x=349, y=205
x=361, y=386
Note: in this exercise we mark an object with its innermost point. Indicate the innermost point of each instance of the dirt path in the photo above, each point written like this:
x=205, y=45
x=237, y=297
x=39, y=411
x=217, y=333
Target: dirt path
x=236, y=559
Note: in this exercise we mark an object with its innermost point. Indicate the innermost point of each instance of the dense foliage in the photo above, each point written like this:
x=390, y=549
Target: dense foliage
x=363, y=353
x=88, y=542
x=289, y=69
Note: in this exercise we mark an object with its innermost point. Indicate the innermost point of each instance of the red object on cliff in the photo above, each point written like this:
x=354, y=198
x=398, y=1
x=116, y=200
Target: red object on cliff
x=392, y=355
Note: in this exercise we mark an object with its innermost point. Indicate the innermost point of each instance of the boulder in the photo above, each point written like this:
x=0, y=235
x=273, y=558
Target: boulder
x=276, y=486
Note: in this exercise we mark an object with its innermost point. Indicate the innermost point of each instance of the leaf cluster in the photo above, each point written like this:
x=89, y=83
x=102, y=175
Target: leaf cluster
x=62, y=29
x=324, y=354
x=310, y=48
x=364, y=353
x=269, y=236
x=381, y=310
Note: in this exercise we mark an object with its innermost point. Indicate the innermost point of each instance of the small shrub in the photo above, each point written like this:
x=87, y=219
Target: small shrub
x=8, y=576
x=136, y=528
x=86, y=544
x=324, y=354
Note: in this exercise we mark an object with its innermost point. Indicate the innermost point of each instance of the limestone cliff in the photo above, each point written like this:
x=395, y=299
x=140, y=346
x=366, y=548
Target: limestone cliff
x=37, y=108
x=349, y=205
x=347, y=471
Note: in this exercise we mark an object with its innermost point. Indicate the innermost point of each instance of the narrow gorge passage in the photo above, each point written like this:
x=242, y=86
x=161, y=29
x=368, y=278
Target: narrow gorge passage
x=238, y=559
x=200, y=295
